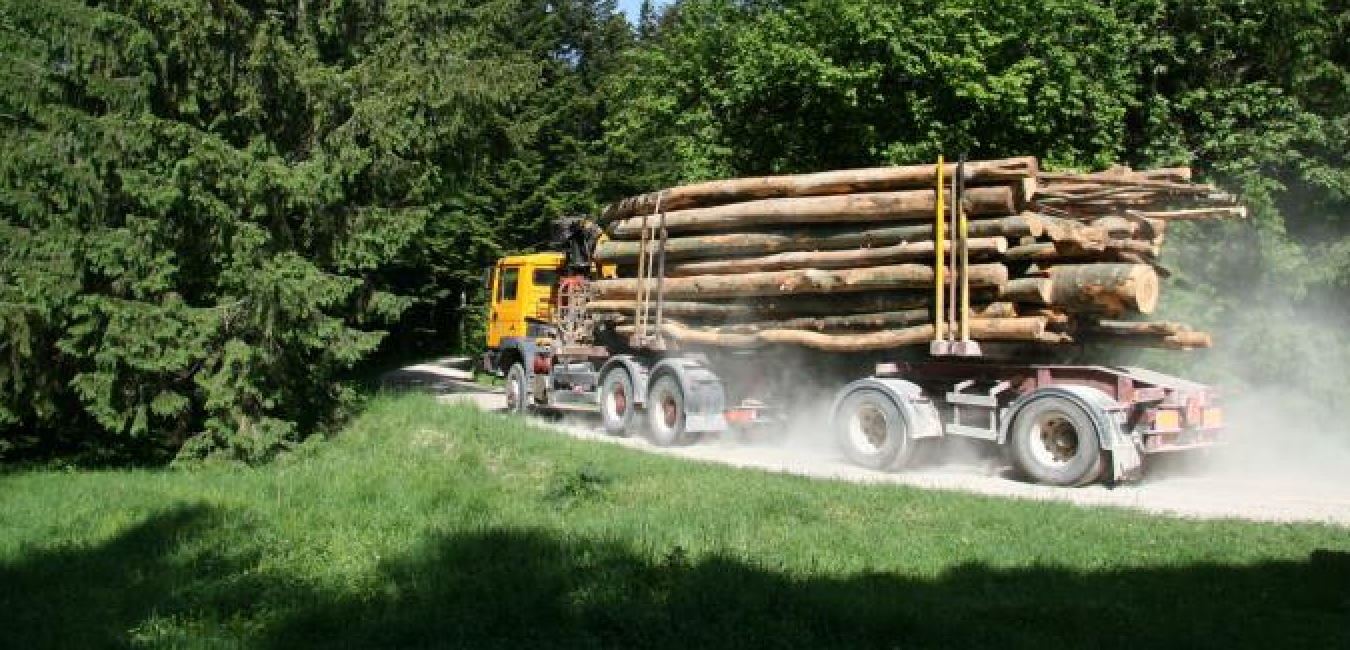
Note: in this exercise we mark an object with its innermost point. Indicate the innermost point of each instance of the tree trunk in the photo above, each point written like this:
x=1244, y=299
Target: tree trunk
x=922, y=251
x=723, y=246
x=623, y=309
x=1111, y=289
x=843, y=260
x=910, y=205
x=1111, y=251
x=1031, y=291
x=848, y=181
x=782, y=307
x=773, y=283
x=872, y=321
x=1176, y=336
x=1071, y=235
x=1172, y=174
x=993, y=329
x=1197, y=214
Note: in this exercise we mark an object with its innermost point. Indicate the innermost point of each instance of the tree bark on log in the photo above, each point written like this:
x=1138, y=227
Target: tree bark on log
x=843, y=260
x=773, y=283
x=783, y=307
x=623, y=310
x=1167, y=174
x=980, y=248
x=809, y=239
x=1117, y=227
x=1072, y=235
x=848, y=181
x=1140, y=328
x=1031, y=291
x=1059, y=252
x=1111, y=289
x=1185, y=339
x=1035, y=252
x=1196, y=214
x=1052, y=316
x=880, y=320
x=834, y=324
x=993, y=329
x=872, y=207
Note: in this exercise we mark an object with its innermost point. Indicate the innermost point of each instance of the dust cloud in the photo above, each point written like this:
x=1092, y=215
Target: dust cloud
x=1283, y=443
x=1276, y=440
x=1282, y=369
x=800, y=421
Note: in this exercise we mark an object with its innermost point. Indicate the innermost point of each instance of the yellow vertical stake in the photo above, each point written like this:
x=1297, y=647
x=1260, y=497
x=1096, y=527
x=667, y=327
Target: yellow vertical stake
x=939, y=261
x=965, y=273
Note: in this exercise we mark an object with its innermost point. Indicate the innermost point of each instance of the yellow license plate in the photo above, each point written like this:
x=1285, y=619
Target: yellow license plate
x=1213, y=418
x=1167, y=421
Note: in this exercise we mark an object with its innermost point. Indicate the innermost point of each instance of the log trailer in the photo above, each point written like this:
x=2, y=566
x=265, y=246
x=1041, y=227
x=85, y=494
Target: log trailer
x=1060, y=424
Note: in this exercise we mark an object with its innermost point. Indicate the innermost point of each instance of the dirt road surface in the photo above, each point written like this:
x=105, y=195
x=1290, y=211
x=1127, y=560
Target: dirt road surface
x=1232, y=482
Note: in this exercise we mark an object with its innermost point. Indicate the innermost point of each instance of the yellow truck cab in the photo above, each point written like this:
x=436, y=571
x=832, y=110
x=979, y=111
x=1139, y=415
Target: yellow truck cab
x=520, y=309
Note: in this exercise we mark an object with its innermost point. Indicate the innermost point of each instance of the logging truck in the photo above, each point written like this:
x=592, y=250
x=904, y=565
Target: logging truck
x=742, y=303
x=1060, y=424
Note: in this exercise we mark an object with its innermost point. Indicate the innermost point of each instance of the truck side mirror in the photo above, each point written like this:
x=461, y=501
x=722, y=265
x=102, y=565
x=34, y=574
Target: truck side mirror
x=487, y=278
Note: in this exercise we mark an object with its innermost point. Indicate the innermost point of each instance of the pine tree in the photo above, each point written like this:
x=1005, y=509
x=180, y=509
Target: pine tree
x=204, y=205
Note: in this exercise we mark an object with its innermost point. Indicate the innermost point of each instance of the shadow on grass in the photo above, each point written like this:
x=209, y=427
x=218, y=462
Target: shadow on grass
x=99, y=597
x=526, y=588
x=515, y=588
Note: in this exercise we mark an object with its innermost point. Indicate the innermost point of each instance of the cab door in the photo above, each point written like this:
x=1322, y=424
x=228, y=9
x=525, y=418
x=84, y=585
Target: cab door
x=506, y=317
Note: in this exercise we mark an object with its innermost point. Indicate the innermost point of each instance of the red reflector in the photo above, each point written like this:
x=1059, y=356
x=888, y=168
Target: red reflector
x=740, y=416
x=1195, y=410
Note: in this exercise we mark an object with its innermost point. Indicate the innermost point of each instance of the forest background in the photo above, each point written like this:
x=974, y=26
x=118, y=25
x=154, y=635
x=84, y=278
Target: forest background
x=216, y=216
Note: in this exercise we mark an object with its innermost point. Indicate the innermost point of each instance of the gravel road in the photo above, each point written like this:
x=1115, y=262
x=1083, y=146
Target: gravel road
x=1246, y=480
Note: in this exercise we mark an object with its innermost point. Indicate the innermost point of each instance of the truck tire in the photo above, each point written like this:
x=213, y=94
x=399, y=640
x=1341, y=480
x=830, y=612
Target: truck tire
x=517, y=389
x=1054, y=441
x=873, y=432
x=617, y=402
x=665, y=413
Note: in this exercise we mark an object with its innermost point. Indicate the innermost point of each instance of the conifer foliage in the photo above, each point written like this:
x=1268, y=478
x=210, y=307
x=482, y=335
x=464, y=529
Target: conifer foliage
x=212, y=211
x=202, y=203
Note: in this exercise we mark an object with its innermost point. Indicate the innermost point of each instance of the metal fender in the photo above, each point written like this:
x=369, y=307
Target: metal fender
x=1107, y=415
x=921, y=417
x=521, y=347
x=635, y=370
x=704, y=398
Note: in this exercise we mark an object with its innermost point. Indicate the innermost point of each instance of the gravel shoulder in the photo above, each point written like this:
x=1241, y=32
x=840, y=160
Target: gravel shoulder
x=1218, y=486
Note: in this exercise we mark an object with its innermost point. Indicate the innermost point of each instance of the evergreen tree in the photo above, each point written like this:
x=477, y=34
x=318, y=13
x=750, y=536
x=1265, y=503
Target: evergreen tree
x=560, y=171
x=202, y=204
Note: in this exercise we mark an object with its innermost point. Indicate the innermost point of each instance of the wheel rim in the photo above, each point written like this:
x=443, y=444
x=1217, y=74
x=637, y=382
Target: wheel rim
x=617, y=404
x=664, y=413
x=1054, y=440
x=868, y=429
x=670, y=411
x=513, y=397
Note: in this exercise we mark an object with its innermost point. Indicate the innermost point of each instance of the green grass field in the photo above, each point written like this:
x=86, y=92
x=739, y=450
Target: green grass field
x=426, y=525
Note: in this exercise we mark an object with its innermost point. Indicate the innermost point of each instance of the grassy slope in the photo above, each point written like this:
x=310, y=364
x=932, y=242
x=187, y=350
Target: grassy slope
x=427, y=525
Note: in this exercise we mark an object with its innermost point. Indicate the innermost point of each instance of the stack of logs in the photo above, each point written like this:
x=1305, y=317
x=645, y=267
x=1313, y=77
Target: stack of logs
x=844, y=260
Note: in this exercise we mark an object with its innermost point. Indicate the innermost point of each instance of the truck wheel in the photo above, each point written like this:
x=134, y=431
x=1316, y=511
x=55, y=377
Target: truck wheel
x=1055, y=442
x=872, y=431
x=517, y=390
x=665, y=413
x=617, y=405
